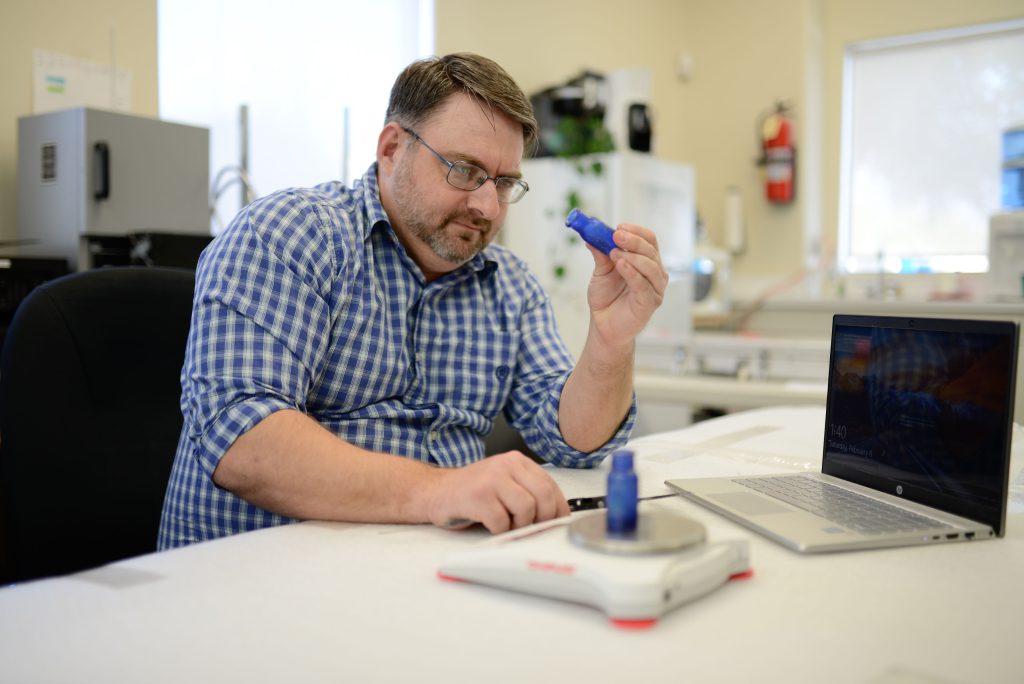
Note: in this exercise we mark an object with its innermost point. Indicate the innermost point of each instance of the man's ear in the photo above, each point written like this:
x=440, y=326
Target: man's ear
x=389, y=147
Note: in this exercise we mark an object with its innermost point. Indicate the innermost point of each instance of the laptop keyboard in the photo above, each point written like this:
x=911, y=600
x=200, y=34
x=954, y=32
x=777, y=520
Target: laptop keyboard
x=848, y=509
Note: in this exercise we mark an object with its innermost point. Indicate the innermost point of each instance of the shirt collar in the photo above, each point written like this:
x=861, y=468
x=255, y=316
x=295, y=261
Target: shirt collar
x=375, y=213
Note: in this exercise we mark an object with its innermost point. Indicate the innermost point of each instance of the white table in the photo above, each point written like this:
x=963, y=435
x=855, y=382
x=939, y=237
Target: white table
x=319, y=602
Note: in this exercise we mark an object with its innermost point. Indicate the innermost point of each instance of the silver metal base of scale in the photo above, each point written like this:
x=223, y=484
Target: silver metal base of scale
x=656, y=532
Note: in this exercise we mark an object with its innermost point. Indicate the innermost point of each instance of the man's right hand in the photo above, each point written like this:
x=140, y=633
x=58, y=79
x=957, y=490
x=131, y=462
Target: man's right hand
x=502, y=492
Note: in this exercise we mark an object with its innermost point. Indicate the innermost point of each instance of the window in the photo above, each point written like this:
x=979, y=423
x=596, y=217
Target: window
x=923, y=118
x=314, y=75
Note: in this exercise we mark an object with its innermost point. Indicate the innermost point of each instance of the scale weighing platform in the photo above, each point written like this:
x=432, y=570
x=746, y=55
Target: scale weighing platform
x=633, y=578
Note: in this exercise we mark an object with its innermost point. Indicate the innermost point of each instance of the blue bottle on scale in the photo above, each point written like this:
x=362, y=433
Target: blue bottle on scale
x=621, y=499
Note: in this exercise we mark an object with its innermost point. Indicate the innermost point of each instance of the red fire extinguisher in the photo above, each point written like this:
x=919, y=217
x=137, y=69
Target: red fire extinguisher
x=778, y=156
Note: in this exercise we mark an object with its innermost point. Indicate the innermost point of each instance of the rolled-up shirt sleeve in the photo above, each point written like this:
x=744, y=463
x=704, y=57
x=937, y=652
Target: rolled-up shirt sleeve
x=261, y=322
x=543, y=367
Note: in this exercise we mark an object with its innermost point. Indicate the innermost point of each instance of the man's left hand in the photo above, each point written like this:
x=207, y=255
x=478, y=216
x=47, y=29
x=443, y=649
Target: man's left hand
x=626, y=286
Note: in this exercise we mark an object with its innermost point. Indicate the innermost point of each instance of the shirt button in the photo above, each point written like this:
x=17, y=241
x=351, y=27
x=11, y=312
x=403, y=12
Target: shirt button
x=433, y=435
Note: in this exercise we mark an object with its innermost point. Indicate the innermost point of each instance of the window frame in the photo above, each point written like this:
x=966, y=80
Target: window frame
x=847, y=125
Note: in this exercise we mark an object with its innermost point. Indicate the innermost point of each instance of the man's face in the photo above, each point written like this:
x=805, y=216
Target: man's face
x=441, y=226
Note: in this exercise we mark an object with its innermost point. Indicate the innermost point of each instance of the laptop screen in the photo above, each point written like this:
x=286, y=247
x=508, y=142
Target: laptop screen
x=923, y=409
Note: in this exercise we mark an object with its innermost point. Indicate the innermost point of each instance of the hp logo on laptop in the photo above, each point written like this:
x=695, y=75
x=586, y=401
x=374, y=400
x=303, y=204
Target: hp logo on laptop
x=899, y=489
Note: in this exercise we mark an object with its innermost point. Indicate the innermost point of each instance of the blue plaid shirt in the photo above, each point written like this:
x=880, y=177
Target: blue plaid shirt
x=308, y=301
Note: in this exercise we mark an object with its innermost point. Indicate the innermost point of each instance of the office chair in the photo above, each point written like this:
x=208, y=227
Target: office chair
x=89, y=417
x=505, y=438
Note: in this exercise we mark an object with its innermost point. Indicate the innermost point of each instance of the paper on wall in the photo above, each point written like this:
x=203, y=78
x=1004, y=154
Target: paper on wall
x=63, y=82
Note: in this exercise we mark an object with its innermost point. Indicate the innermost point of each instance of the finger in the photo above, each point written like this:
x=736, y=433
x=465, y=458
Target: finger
x=634, y=238
x=513, y=491
x=602, y=262
x=649, y=265
x=642, y=275
x=527, y=491
x=519, y=503
x=543, y=497
x=642, y=255
x=468, y=496
x=495, y=517
x=562, y=506
x=498, y=501
x=548, y=497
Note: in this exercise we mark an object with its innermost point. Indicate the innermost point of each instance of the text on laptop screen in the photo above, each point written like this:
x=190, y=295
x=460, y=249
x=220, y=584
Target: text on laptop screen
x=922, y=413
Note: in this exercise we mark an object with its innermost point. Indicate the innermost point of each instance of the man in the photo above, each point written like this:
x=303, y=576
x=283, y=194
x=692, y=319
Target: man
x=350, y=347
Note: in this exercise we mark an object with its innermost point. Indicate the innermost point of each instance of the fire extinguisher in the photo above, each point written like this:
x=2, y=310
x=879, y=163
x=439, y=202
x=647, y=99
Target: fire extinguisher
x=778, y=155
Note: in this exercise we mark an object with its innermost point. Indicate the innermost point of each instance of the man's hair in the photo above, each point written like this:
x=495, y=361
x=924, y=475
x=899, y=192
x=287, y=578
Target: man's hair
x=426, y=84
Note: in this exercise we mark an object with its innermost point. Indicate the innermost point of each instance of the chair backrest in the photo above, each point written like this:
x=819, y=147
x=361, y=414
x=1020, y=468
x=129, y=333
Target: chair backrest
x=505, y=438
x=90, y=417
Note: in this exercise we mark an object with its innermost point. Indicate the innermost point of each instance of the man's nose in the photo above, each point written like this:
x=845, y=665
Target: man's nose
x=484, y=201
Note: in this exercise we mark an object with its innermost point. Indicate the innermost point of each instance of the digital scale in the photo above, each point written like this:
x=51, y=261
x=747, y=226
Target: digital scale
x=634, y=578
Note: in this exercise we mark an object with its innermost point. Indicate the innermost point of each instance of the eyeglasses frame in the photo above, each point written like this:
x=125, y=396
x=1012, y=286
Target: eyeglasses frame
x=451, y=165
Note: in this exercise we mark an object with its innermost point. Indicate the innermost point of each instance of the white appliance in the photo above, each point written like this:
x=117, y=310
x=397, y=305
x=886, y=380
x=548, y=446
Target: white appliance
x=88, y=172
x=712, y=268
x=629, y=92
x=1006, y=256
x=632, y=187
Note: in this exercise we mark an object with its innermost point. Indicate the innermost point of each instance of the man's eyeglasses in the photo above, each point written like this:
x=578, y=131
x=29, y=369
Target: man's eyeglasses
x=466, y=176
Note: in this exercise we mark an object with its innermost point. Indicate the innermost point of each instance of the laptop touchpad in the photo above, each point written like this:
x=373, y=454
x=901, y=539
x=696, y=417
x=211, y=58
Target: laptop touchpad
x=749, y=503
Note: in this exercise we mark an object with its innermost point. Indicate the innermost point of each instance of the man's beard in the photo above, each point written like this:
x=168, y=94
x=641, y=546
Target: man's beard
x=455, y=249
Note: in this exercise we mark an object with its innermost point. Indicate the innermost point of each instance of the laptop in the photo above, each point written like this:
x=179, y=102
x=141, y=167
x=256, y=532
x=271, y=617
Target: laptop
x=916, y=445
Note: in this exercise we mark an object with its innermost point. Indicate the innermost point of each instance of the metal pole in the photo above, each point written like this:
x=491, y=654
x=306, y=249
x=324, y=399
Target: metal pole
x=243, y=152
x=344, y=144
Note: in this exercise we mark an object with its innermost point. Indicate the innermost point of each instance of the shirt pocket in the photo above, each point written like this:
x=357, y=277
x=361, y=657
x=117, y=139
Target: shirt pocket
x=484, y=368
